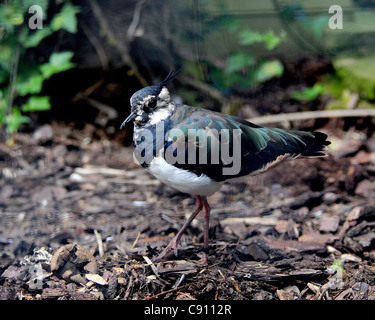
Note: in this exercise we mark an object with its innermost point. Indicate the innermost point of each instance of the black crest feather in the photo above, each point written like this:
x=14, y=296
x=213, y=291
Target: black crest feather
x=170, y=77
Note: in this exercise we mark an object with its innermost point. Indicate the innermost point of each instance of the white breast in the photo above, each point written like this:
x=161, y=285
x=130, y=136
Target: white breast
x=183, y=180
x=159, y=115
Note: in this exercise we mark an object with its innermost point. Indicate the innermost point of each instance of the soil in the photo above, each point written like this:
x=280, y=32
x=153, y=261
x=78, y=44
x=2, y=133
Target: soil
x=80, y=220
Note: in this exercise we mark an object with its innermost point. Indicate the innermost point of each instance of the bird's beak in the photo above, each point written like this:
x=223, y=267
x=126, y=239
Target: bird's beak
x=128, y=119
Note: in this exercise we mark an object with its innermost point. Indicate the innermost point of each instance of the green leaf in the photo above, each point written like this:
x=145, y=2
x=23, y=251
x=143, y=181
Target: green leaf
x=268, y=70
x=6, y=52
x=271, y=40
x=309, y=94
x=58, y=62
x=37, y=103
x=11, y=15
x=29, y=85
x=66, y=19
x=238, y=61
x=248, y=37
x=336, y=265
x=61, y=58
x=14, y=120
x=36, y=36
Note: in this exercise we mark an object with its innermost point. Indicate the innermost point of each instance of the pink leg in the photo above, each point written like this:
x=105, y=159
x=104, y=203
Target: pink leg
x=172, y=247
x=206, y=216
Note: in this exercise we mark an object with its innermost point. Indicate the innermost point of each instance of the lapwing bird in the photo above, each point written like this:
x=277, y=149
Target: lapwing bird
x=195, y=150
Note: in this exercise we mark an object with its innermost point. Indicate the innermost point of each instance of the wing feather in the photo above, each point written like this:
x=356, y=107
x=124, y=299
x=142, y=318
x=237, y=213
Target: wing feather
x=261, y=147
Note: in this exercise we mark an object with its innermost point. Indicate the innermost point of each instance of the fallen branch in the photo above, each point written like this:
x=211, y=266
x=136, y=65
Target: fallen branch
x=308, y=115
x=90, y=169
x=265, y=221
x=136, y=177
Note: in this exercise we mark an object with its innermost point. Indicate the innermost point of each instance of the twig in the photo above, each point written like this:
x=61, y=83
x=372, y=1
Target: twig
x=91, y=89
x=12, y=83
x=100, y=243
x=110, y=112
x=129, y=287
x=151, y=264
x=13, y=78
x=120, y=45
x=300, y=38
x=308, y=115
x=97, y=46
x=208, y=90
x=135, y=21
x=179, y=281
x=165, y=292
x=135, y=241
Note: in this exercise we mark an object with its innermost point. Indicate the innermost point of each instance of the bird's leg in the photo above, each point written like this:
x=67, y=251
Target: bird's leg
x=172, y=246
x=206, y=216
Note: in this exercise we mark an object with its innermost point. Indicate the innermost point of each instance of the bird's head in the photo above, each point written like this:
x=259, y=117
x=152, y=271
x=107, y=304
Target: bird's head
x=145, y=103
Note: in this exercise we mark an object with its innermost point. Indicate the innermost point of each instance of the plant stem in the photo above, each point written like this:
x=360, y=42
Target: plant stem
x=12, y=82
x=13, y=78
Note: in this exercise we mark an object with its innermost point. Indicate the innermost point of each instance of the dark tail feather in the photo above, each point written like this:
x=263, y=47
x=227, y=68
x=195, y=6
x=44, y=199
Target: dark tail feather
x=316, y=143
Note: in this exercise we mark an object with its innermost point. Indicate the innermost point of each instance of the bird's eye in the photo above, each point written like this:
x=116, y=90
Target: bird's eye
x=152, y=103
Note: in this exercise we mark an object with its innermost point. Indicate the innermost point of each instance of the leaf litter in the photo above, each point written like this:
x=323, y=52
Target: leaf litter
x=80, y=221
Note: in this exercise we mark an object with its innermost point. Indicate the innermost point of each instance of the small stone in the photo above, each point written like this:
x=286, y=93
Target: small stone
x=330, y=197
x=75, y=177
x=43, y=134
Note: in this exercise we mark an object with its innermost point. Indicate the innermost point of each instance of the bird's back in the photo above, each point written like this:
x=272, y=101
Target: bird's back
x=259, y=148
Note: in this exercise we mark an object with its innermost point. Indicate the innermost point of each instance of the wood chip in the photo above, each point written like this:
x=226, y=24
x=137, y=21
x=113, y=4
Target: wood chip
x=314, y=288
x=178, y=267
x=71, y=262
x=329, y=224
x=305, y=272
x=284, y=295
x=96, y=278
x=184, y=296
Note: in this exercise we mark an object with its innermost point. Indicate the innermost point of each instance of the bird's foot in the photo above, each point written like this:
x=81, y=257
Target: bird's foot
x=171, y=248
x=204, y=260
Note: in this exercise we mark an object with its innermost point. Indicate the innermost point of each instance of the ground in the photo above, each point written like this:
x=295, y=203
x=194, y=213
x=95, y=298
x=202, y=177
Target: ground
x=80, y=220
